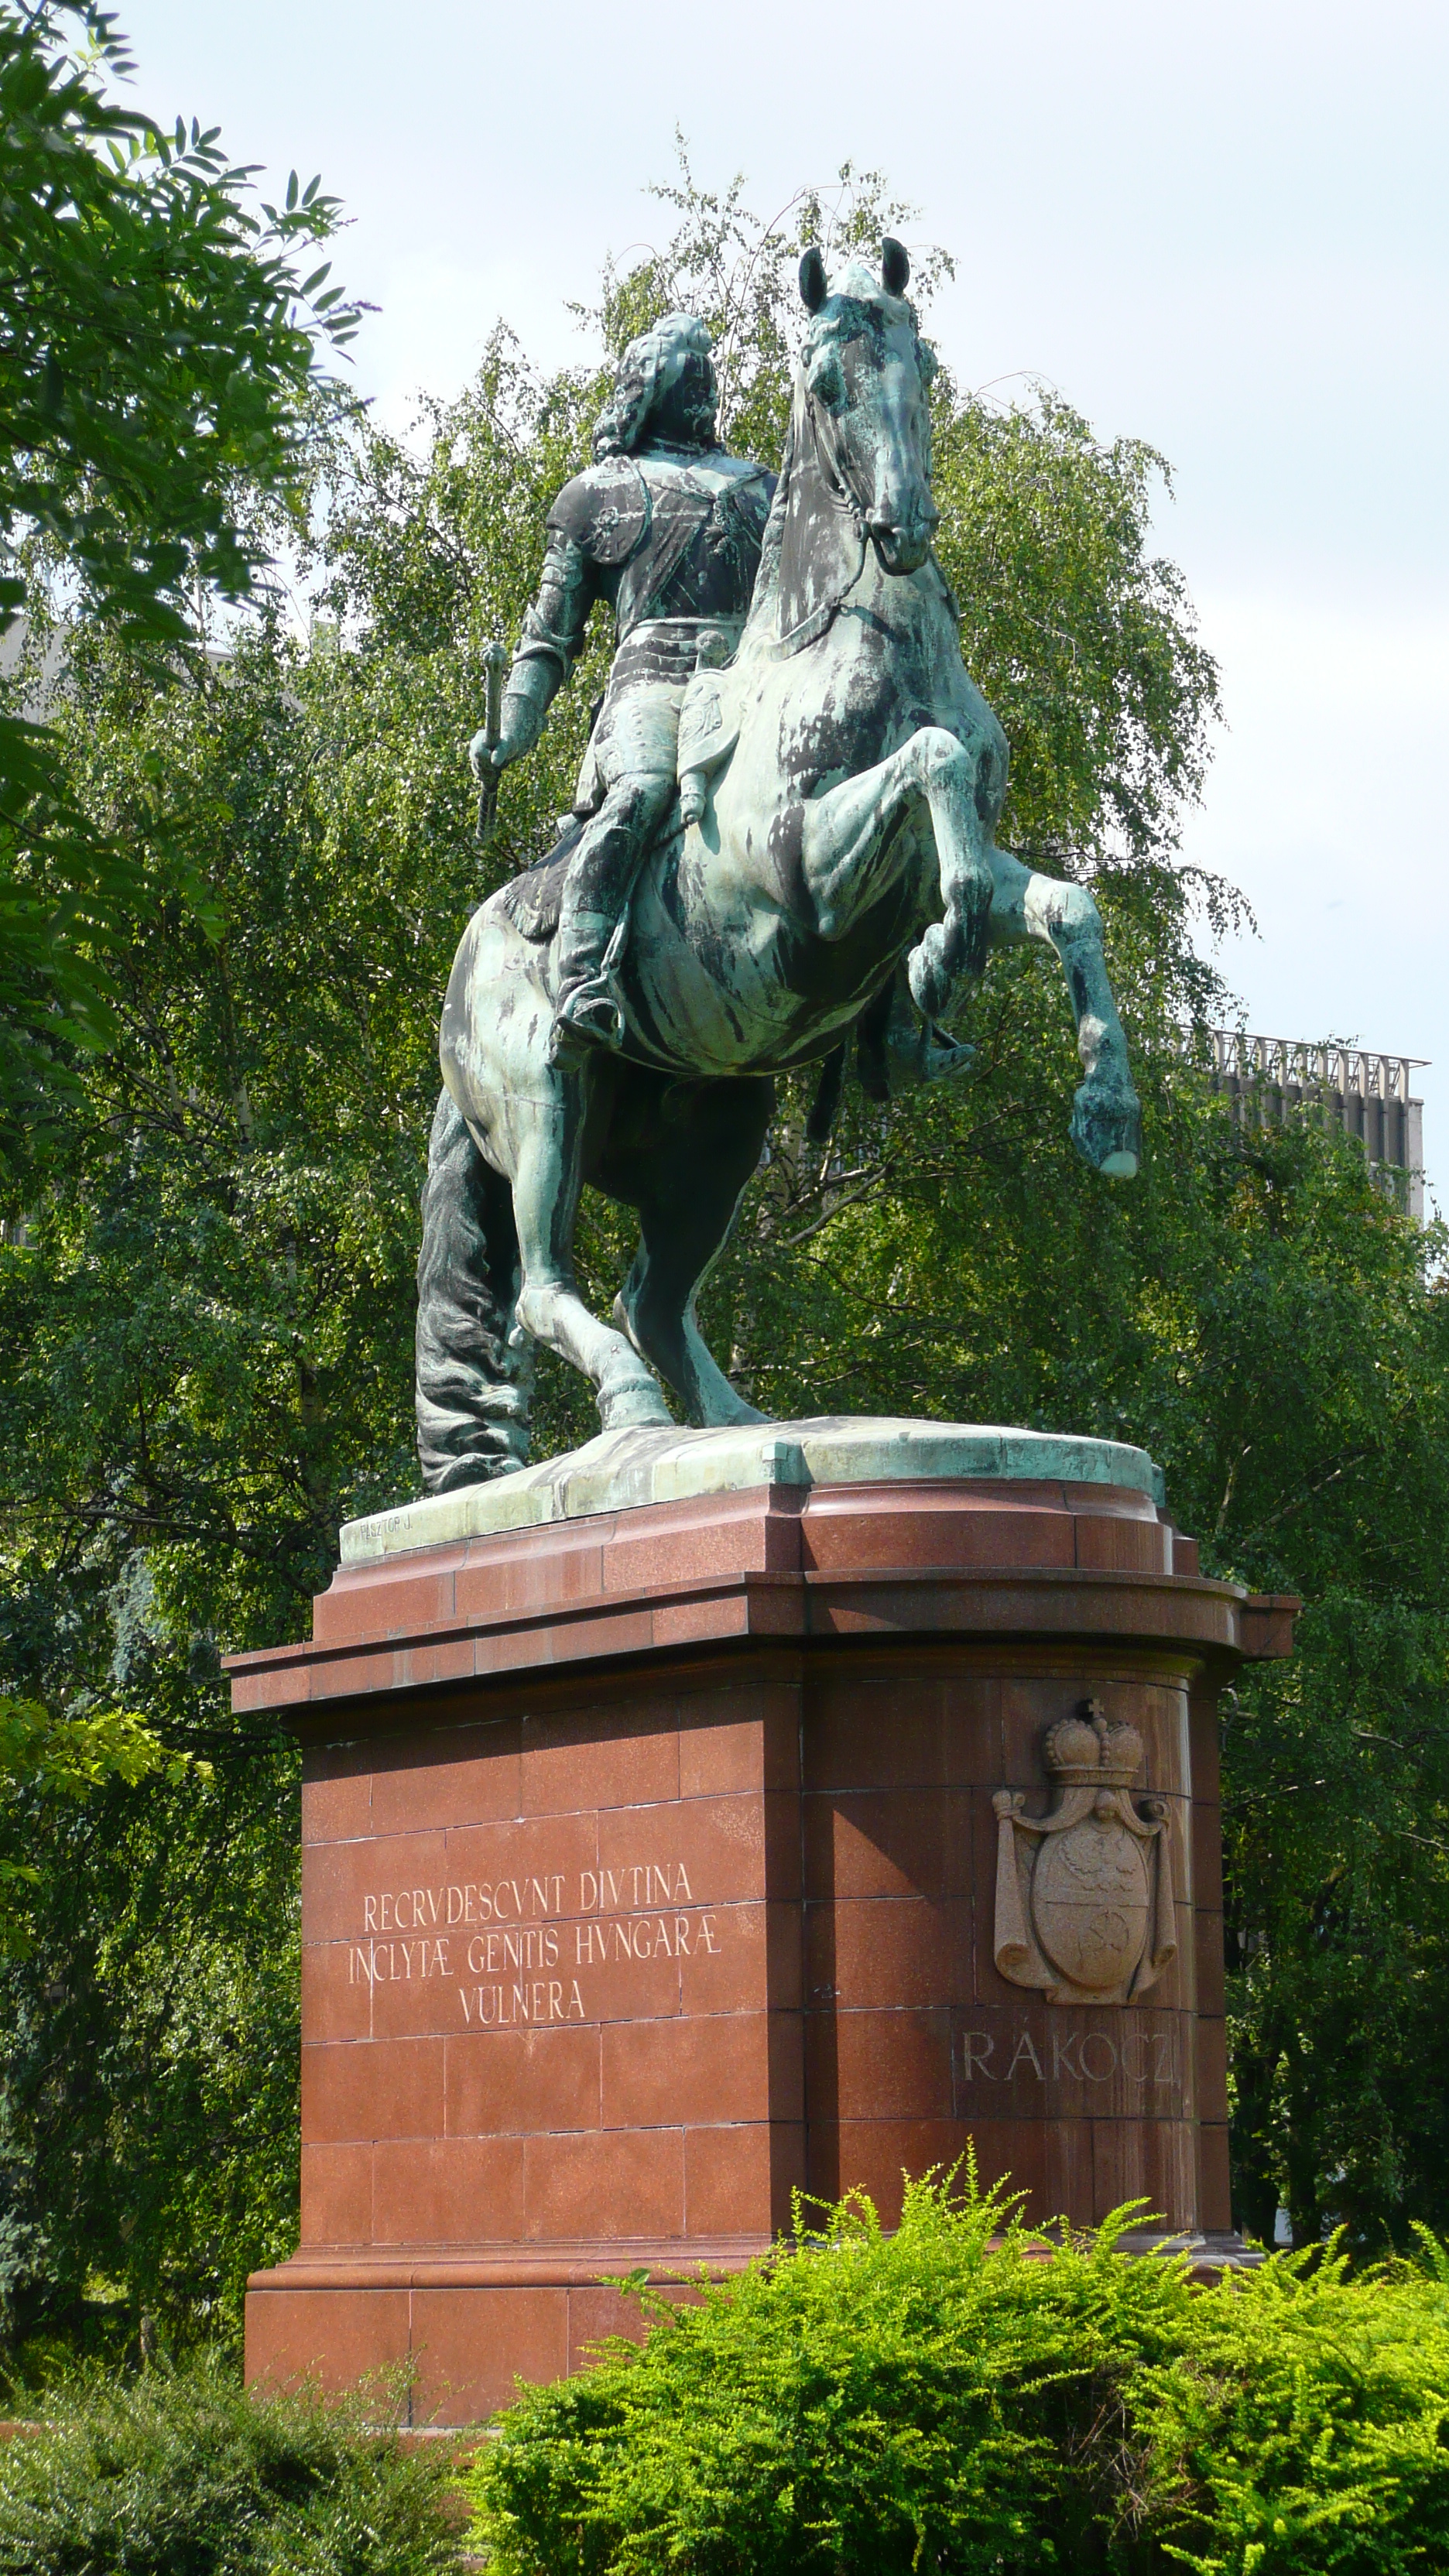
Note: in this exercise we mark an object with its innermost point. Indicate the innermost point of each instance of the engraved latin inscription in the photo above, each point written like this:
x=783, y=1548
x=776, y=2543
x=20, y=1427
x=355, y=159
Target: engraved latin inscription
x=519, y=1949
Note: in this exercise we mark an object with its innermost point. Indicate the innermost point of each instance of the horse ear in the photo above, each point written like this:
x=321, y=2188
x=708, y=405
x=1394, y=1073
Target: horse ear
x=895, y=266
x=813, y=287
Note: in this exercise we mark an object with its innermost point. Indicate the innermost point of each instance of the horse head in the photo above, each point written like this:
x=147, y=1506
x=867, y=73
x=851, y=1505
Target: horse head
x=862, y=402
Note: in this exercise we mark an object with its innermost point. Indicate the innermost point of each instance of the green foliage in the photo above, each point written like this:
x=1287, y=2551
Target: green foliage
x=1082, y=641
x=68, y=1757
x=1302, y=2424
x=176, y=2473
x=159, y=355
x=72, y=1754
x=158, y=332
x=148, y=2114
x=963, y=2397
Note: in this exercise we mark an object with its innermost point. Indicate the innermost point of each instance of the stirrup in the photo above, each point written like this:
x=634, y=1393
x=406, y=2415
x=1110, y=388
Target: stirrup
x=587, y=1019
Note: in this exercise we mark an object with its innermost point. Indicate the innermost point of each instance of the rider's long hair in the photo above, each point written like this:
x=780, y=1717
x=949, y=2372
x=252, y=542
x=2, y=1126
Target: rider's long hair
x=651, y=366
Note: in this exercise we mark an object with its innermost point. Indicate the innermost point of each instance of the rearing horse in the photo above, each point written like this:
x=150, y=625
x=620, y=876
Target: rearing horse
x=851, y=776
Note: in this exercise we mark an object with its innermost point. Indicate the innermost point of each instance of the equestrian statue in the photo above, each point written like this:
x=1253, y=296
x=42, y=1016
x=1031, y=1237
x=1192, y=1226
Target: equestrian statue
x=782, y=843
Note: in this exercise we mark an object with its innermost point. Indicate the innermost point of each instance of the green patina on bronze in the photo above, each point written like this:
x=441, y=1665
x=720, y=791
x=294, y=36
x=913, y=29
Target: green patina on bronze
x=783, y=838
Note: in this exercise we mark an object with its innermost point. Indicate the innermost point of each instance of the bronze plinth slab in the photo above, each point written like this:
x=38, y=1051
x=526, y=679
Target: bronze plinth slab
x=653, y=1862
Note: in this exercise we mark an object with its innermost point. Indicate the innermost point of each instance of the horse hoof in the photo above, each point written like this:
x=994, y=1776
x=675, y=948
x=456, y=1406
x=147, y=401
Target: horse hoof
x=928, y=976
x=1107, y=1132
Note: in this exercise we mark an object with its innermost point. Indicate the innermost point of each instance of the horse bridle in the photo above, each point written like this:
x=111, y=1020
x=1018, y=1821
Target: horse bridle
x=837, y=485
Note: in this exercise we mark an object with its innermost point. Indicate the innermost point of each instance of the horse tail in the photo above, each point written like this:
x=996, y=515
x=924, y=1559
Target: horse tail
x=472, y=1373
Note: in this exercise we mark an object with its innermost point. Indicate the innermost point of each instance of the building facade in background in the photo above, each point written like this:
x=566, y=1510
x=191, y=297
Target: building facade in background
x=1370, y=1096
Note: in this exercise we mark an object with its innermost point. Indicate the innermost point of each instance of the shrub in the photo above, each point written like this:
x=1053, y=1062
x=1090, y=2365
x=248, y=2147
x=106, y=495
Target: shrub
x=182, y=2473
x=962, y=2396
x=1303, y=2425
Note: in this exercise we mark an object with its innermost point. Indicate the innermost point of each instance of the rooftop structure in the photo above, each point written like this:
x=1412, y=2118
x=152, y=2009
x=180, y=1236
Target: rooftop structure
x=1371, y=1096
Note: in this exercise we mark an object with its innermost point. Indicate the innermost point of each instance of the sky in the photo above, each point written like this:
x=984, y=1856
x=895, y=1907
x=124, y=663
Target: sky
x=1221, y=228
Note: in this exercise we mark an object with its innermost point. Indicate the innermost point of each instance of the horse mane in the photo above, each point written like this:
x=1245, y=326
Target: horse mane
x=765, y=595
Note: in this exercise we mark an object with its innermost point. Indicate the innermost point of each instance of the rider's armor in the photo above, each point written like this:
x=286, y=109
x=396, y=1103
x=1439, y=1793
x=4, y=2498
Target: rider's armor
x=670, y=538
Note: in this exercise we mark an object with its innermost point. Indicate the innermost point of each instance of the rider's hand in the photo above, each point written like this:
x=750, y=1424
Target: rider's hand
x=520, y=725
x=484, y=755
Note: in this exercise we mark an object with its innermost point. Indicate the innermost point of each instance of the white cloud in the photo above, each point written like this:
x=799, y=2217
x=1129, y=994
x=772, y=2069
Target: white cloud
x=1326, y=805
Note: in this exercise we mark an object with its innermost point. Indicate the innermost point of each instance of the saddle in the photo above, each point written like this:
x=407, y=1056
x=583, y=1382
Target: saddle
x=534, y=900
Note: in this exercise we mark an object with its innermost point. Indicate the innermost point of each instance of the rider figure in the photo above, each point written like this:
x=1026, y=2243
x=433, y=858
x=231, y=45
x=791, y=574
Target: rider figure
x=666, y=527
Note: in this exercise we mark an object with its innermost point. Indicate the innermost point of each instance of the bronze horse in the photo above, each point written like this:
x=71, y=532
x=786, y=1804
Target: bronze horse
x=851, y=776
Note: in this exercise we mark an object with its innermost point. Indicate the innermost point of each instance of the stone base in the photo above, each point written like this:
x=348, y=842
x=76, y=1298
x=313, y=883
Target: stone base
x=650, y=1874
x=467, y=2338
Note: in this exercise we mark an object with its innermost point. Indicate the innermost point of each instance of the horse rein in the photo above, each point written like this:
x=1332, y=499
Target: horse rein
x=811, y=628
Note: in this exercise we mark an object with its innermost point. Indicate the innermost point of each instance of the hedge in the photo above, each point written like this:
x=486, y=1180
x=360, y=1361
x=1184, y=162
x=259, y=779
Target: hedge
x=183, y=2473
x=966, y=2398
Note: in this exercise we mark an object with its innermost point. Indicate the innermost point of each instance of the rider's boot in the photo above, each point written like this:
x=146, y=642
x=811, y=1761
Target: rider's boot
x=586, y=1016
x=596, y=894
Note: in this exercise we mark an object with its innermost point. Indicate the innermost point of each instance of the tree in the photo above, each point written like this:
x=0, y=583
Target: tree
x=159, y=345
x=205, y=1344
x=159, y=361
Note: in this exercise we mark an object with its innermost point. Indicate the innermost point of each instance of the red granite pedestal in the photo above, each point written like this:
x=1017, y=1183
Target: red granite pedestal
x=649, y=1873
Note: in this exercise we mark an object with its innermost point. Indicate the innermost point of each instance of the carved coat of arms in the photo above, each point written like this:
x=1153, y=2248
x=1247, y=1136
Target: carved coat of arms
x=1084, y=1897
